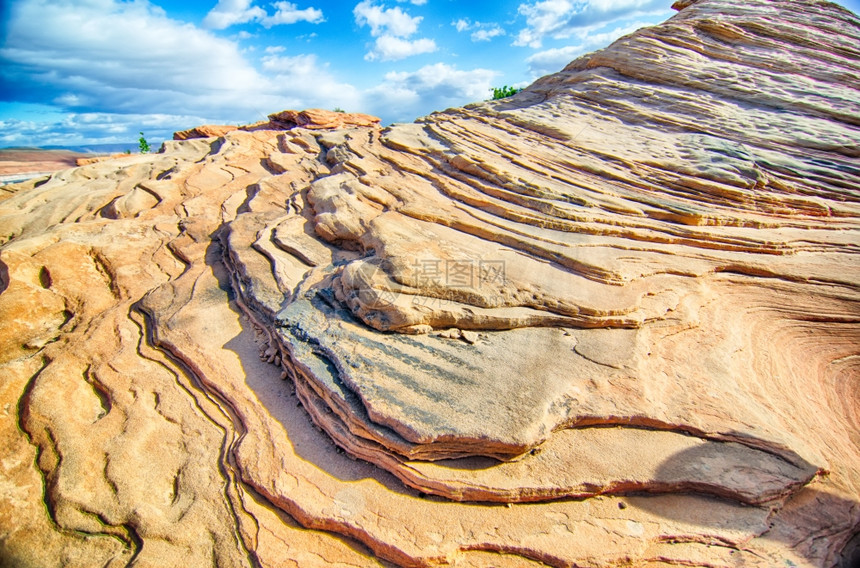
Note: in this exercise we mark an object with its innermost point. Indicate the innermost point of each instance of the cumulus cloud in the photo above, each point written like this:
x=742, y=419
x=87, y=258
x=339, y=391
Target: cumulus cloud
x=231, y=12
x=82, y=65
x=95, y=51
x=105, y=58
x=309, y=81
x=15, y=132
x=482, y=31
x=564, y=18
x=487, y=34
x=553, y=60
x=288, y=13
x=87, y=129
x=462, y=24
x=390, y=48
x=385, y=21
x=403, y=95
x=391, y=27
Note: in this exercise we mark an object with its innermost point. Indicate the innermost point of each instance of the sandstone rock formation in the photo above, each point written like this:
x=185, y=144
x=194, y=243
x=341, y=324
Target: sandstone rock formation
x=310, y=119
x=204, y=131
x=318, y=119
x=97, y=159
x=611, y=321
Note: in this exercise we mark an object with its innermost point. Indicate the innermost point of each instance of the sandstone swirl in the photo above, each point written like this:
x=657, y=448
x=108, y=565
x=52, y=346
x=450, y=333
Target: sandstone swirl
x=613, y=320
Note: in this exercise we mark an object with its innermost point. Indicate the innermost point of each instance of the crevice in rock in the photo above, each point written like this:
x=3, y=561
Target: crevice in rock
x=100, y=390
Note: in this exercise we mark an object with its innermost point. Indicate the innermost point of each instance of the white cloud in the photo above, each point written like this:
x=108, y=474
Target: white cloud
x=289, y=13
x=70, y=100
x=487, y=34
x=231, y=12
x=310, y=82
x=385, y=21
x=483, y=31
x=462, y=24
x=553, y=60
x=391, y=27
x=406, y=95
x=389, y=48
x=441, y=78
x=127, y=59
x=106, y=69
x=563, y=18
x=87, y=129
x=416, y=2
x=116, y=51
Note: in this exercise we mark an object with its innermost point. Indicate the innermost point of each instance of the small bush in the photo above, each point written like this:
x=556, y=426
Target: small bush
x=504, y=92
x=338, y=109
x=143, y=144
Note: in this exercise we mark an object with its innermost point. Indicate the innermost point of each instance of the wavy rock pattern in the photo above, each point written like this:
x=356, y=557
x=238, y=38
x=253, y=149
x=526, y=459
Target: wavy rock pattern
x=613, y=320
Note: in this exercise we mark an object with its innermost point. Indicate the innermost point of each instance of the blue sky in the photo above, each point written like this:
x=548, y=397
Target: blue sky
x=76, y=72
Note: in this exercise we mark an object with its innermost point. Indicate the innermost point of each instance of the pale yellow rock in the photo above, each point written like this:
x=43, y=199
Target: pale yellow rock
x=611, y=321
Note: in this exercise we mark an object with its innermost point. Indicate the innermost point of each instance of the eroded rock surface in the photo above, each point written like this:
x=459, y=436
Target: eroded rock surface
x=613, y=320
x=204, y=131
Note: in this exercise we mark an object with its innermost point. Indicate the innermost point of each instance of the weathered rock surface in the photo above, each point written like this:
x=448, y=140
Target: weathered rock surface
x=319, y=119
x=611, y=321
x=204, y=131
x=310, y=119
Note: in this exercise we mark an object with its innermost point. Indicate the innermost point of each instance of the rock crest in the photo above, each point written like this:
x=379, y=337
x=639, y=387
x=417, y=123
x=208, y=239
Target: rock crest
x=310, y=119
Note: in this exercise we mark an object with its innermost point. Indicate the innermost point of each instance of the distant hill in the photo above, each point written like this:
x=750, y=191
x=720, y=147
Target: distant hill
x=24, y=162
x=26, y=153
x=98, y=148
x=20, y=163
x=82, y=149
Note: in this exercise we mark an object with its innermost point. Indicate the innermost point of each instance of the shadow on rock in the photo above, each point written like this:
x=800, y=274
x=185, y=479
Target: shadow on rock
x=281, y=402
x=821, y=526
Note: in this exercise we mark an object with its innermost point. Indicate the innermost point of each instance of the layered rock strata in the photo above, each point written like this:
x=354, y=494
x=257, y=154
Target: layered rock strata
x=310, y=119
x=613, y=320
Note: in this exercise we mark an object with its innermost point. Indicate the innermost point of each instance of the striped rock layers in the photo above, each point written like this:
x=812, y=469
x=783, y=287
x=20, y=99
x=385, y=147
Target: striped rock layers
x=613, y=320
